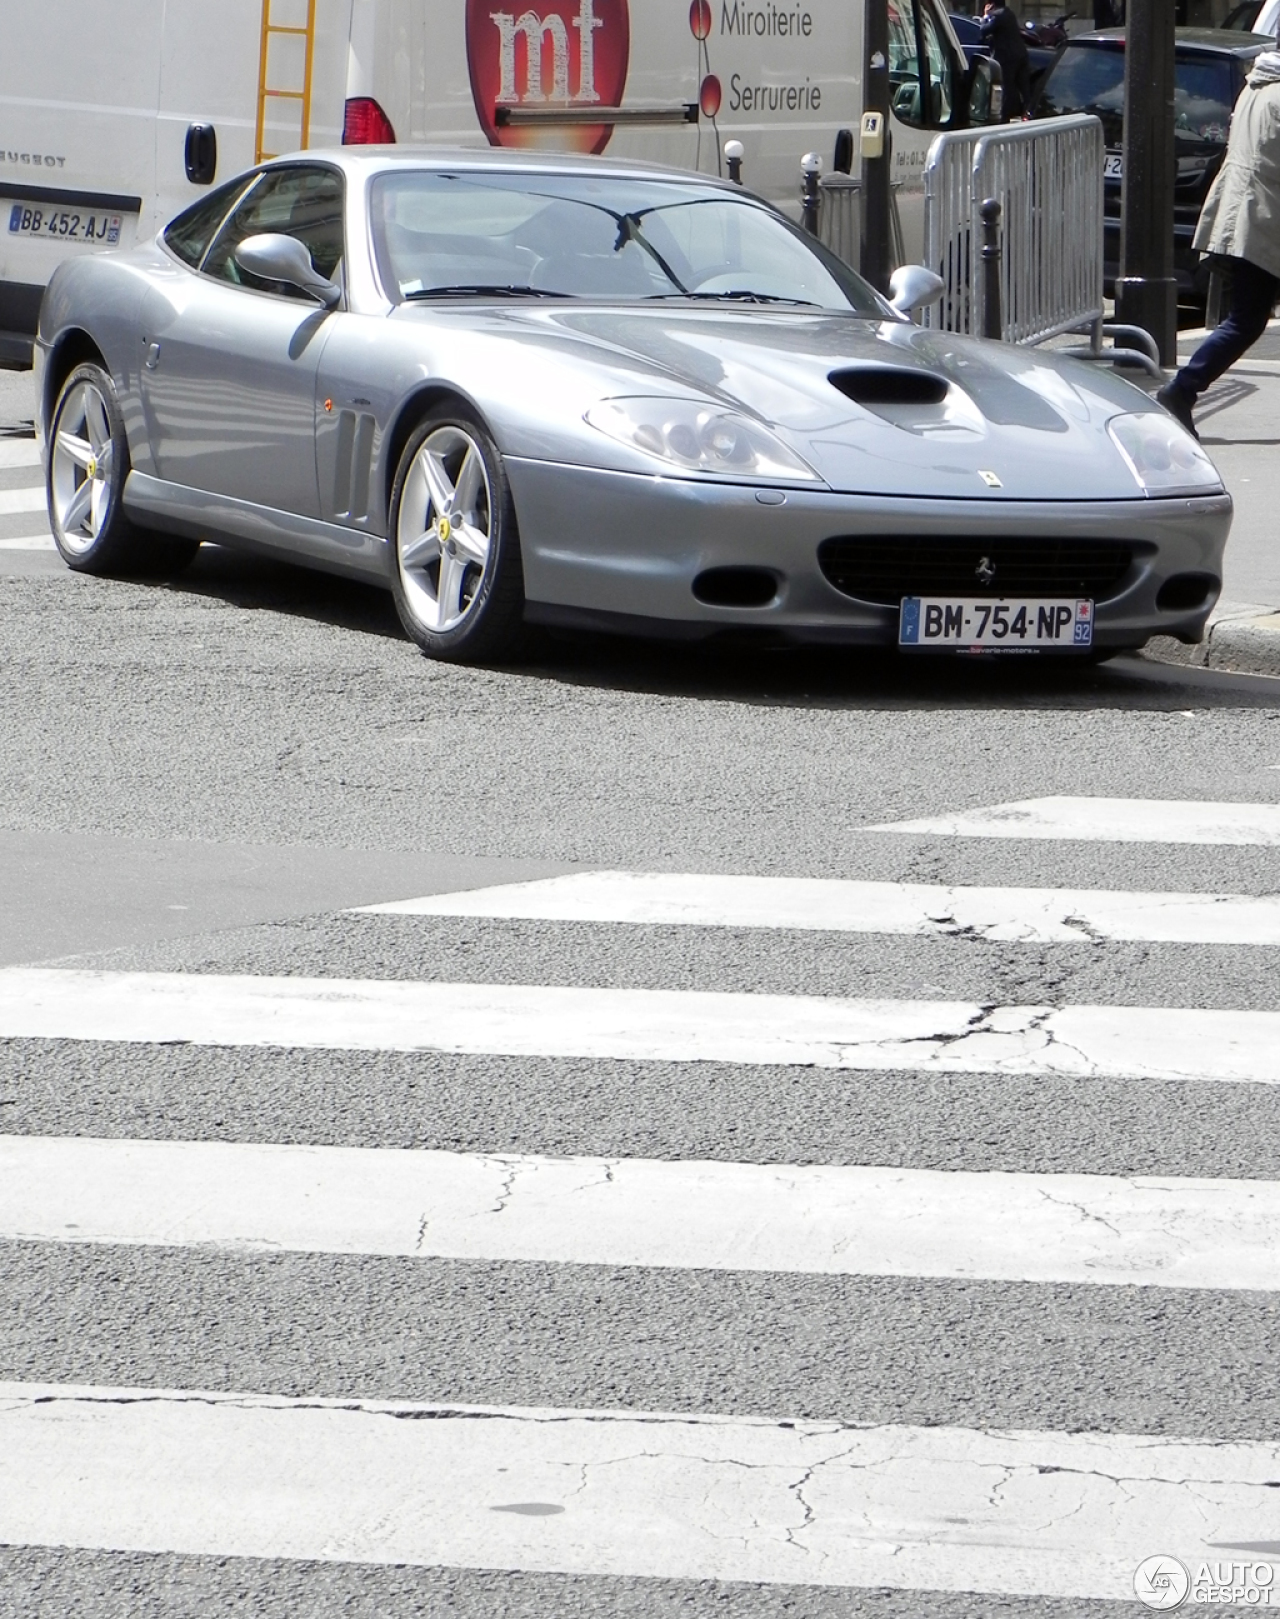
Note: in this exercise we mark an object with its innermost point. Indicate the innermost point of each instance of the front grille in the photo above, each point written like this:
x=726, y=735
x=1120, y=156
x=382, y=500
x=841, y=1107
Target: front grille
x=884, y=568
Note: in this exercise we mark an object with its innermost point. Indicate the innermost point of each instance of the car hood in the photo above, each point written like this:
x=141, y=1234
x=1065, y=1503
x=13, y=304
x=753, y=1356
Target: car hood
x=880, y=407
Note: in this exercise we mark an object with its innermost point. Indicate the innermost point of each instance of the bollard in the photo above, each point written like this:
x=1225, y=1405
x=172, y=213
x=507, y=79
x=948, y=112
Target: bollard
x=992, y=315
x=810, y=195
x=733, y=151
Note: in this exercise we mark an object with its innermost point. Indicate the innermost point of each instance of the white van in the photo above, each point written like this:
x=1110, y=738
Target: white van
x=114, y=116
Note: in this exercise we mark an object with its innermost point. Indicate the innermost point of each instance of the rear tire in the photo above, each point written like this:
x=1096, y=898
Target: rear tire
x=88, y=463
x=456, y=573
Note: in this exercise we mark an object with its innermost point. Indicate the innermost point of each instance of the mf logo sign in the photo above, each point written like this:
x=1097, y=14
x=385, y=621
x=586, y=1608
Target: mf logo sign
x=556, y=54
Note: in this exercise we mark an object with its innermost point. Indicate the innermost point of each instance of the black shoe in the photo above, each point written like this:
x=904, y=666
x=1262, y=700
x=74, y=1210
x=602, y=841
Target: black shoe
x=1178, y=405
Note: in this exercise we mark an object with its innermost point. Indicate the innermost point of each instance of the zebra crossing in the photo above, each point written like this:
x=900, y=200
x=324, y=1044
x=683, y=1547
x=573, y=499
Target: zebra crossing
x=614, y=1489
x=23, y=520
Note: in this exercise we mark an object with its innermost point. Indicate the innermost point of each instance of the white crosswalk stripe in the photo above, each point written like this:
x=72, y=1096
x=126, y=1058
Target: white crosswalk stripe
x=1116, y=820
x=18, y=452
x=606, y=1492
x=21, y=500
x=28, y=542
x=801, y=1218
x=1022, y=1511
x=642, y=1025
x=1023, y=915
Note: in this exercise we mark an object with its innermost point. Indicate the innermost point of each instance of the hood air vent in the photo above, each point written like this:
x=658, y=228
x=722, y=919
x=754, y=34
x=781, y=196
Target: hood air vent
x=885, y=386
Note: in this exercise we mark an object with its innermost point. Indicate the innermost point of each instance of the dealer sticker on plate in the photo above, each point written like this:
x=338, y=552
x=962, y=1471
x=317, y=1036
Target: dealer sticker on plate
x=63, y=224
x=961, y=624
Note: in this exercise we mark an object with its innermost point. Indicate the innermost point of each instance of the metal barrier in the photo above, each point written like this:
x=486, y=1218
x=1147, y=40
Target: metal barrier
x=1047, y=178
x=840, y=218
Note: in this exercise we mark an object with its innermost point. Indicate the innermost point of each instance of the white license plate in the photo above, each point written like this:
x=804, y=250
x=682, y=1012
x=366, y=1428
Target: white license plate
x=1113, y=166
x=49, y=223
x=962, y=624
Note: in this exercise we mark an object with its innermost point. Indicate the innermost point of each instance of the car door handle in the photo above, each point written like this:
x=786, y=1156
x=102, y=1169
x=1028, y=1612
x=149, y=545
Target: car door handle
x=153, y=356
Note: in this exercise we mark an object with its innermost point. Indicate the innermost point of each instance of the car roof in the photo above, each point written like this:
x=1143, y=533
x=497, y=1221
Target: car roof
x=1210, y=41
x=363, y=161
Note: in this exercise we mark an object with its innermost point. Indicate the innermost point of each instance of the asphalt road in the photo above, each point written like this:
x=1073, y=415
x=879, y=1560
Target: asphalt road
x=202, y=777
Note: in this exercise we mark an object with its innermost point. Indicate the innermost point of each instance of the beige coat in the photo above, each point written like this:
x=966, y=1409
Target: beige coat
x=1241, y=214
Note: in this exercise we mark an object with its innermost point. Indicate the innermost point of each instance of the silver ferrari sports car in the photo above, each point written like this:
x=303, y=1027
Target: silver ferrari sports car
x=525, y=389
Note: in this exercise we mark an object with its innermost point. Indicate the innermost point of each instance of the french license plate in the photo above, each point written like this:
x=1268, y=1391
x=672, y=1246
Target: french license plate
x=960, y=624
x=50, y=223
x=1113, y=166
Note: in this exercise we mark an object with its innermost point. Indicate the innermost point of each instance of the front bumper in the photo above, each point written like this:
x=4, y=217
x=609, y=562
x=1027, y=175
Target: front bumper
x=624, y=550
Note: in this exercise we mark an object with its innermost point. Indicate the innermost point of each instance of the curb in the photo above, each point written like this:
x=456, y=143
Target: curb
x=1240, y=637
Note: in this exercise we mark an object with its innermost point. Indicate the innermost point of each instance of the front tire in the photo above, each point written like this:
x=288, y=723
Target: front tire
x=88, y=463
x=456, y=573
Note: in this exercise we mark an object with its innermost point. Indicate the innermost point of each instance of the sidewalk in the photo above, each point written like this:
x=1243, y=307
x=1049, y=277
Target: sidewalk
x=1239, y=422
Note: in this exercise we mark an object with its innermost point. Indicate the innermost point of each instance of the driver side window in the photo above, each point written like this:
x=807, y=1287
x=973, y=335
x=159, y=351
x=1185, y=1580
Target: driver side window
x=305, y=203
x=922, y=70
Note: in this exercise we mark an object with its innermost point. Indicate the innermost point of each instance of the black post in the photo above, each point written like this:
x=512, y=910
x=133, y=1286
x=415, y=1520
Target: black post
x=992, y=314
x=810, y=192
x=875, y=248
x=1147, y=290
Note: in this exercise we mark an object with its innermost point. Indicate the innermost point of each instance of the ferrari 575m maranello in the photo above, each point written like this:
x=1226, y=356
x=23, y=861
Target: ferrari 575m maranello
x=520, y=389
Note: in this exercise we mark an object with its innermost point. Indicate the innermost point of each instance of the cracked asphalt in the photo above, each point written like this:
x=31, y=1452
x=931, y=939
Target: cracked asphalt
x=201, y=776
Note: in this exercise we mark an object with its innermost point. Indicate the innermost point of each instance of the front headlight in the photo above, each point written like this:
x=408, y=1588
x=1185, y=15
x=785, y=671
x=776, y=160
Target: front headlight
x=1162, y=456
x=697, y=437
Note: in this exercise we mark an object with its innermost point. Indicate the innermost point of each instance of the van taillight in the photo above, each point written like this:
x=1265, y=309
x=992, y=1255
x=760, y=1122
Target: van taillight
x=365, y=124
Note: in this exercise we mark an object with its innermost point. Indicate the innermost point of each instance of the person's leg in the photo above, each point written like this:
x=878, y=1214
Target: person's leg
x=1253, y=296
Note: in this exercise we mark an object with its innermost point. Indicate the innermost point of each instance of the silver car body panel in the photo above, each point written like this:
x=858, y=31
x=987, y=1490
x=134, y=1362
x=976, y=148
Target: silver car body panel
x=268, y=422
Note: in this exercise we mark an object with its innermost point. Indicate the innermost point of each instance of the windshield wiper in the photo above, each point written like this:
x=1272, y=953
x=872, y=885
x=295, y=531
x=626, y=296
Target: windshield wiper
x=482, y=290
x=742, y=295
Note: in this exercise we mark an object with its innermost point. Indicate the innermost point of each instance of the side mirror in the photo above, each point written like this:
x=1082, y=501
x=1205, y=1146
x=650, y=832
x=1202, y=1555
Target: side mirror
x=912, y=287
x=284, y=258
x=986, y=91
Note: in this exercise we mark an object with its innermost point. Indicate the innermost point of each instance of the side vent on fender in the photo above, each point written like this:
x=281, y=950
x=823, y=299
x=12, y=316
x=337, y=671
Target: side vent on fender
x=351, y=471
x=883, y=385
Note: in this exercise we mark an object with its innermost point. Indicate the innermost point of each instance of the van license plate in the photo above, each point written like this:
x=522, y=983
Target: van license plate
x=52, y=224
x=961, y=624
x=1113, y=166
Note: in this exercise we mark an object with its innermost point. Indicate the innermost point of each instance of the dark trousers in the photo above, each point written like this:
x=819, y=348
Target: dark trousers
x=1253, y=296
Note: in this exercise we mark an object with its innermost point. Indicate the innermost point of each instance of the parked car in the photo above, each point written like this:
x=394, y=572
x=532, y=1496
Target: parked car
x=1210, y=68
x=513, y=387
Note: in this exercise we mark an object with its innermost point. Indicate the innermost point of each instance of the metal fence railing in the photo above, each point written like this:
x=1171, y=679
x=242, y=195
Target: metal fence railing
x=1047, y=178
x=840, y=218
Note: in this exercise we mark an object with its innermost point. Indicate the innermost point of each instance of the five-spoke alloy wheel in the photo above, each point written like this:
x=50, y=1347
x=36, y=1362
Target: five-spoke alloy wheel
x=88, y=462
x=456, y=575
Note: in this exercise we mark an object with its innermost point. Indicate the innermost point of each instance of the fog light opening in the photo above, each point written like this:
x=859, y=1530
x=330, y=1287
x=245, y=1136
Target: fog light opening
x=1187, y=591
x=736, y=587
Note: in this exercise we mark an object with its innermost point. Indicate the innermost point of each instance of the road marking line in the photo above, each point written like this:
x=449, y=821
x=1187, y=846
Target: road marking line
x=1027, y=915
x=695, y=1497
x=18, y=452
x=29, y=542
x=801, y=1219
x=22, y=500
x=647, y=1025
x=1116, y=820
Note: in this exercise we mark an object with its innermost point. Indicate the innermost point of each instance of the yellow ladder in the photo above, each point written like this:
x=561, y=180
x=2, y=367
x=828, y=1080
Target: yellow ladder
x=270, y=31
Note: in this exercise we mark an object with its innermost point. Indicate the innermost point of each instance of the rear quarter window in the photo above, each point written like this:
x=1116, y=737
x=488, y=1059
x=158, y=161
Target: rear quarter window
x=191, y=232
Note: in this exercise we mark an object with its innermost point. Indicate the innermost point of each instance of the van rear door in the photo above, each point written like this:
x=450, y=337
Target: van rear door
x=79, y=91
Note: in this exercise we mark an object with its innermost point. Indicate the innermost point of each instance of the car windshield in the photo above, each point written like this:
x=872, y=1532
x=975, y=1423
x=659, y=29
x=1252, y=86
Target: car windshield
x=1090, y=78
x=442, y=235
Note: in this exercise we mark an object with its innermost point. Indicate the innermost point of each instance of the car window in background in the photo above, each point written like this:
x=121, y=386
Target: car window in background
x=1087, y=78
x=578, y=236
x=1090, y=78
x=305, y=203
x=191, y=232
x=904, y=62
x=941, y=68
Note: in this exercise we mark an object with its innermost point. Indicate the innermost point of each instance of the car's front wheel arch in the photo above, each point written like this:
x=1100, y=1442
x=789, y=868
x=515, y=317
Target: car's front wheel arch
x=417, y=406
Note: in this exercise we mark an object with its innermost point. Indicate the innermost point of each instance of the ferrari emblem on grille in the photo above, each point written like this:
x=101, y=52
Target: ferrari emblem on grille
x=986, y=570
x=990, y=479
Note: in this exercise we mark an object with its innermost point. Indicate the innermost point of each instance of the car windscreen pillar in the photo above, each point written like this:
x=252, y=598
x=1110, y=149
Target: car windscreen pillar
x=1147, y=290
